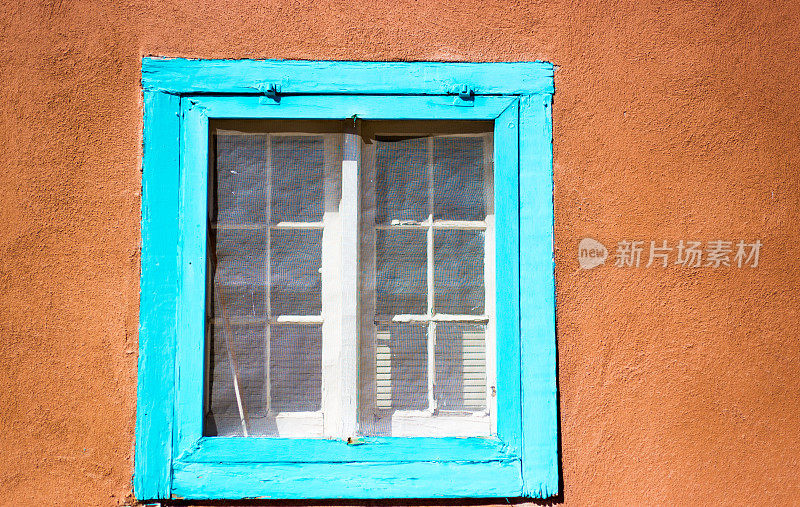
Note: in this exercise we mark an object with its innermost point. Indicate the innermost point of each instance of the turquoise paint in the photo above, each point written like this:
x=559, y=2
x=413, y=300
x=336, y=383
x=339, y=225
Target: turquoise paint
x=174, y=263
x=349, y=106
x=506, y=202
x=158, y=293
x=190, y=338
x=423, y=479
x=182, y=76
x=371, y=449
x=537, y=300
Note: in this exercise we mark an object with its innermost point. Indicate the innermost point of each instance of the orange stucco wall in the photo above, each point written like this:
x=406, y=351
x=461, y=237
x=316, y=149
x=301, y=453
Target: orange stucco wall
x=672, y=120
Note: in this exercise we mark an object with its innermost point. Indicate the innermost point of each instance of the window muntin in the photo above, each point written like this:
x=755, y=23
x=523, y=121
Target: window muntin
x=424, y=257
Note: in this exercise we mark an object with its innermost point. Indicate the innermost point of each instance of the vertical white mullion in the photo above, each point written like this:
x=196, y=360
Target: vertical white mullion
x=367, y=374
x=430, y=272
x=331, y=299
x=349, y=210
x=489, y=283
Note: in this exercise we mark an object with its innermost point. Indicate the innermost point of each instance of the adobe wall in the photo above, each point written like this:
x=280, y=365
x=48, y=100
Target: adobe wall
x=672, y=121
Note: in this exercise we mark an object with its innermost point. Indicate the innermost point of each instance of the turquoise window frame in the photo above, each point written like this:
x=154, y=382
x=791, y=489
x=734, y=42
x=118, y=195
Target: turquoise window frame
x=172, y=458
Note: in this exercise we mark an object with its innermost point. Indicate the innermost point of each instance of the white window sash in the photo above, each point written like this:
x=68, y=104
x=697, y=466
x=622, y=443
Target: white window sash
x=376, y=379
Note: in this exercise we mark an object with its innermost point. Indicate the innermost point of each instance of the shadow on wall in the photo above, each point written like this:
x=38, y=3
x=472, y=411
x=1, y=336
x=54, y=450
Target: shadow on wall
x=454, y=502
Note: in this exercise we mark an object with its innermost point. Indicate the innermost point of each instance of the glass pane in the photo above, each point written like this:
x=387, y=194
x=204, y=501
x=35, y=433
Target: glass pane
x=401, y=380
x=409, y=352
x=240, y=275
x=458, y=274
x=295, y=367
x=458, y=178
x=401, y=267
x=460, y=367
x=401, y=180
x=295, y=276
x=238, y=348
x=241, y=178
x=297, y=178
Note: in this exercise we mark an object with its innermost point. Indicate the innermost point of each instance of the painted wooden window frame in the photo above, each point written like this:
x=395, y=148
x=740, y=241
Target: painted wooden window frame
x=172, y=458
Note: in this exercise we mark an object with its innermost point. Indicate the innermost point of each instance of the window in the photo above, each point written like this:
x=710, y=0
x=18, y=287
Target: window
x=412, y=225
x=334, y=303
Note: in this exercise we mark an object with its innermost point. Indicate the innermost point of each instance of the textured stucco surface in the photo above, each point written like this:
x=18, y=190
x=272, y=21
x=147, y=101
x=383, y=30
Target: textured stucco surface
x=672, y=120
